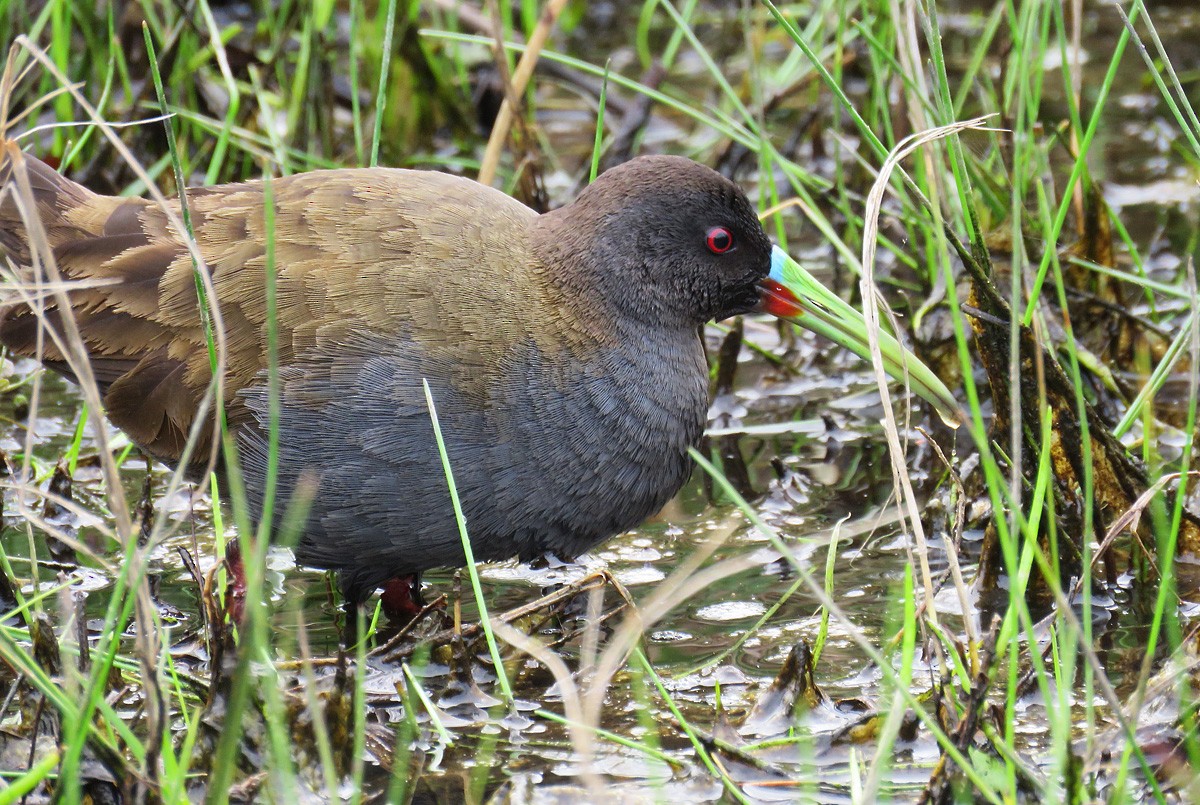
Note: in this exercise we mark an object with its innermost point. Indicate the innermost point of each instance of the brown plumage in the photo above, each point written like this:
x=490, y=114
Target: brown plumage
x=562, y=349
x=144, y=334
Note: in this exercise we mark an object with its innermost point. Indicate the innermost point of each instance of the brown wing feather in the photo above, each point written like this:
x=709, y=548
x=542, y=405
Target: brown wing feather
x=355, y=250
x=97, y=238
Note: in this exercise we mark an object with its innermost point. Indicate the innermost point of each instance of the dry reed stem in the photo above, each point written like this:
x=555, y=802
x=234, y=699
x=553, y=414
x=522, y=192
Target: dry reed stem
x=901, y=480
x=520, y=79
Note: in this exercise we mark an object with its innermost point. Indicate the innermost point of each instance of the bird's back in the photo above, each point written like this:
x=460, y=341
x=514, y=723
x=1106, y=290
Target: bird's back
x=354, y=250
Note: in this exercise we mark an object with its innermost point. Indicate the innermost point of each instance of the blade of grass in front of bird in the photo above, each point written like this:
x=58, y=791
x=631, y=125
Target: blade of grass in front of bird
x=472, y=570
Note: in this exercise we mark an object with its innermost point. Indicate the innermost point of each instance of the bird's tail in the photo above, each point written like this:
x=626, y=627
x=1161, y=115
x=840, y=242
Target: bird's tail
x=36, y=203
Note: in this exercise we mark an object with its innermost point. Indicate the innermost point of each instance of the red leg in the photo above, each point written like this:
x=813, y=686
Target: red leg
x=235, y=589
x=401, y=597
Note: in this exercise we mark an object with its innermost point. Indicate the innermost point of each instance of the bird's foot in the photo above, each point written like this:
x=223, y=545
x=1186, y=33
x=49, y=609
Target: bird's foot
x=401, y=598
x=235, y=589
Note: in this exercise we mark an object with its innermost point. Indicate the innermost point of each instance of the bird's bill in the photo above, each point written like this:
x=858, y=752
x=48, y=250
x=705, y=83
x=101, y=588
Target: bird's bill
x=792, y=293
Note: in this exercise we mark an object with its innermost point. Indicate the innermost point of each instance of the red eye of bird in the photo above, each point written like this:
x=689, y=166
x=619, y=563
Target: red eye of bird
x=719, y=240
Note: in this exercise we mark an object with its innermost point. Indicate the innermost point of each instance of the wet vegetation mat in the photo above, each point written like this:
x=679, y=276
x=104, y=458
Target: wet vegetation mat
x=852, y=600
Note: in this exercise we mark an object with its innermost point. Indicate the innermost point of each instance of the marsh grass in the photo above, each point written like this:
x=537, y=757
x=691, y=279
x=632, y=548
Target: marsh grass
x=262, y=96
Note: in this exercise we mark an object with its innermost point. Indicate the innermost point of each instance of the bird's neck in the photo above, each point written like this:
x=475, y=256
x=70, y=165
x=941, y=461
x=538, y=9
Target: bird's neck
x=576, y=258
